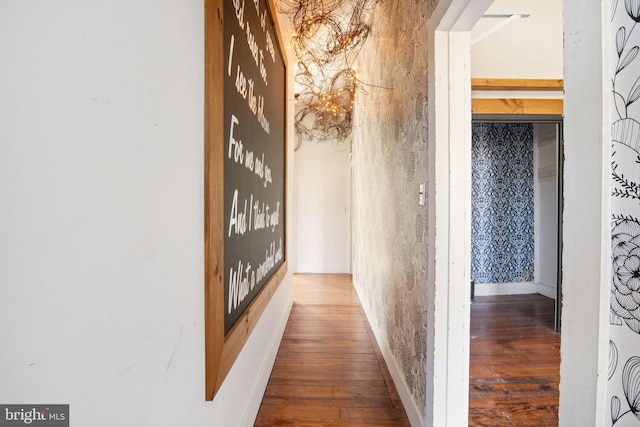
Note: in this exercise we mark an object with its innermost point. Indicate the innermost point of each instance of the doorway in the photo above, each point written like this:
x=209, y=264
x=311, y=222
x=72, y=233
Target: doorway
x=514, y=347
x=516, y=230
x=322, y=207
x=585, y=314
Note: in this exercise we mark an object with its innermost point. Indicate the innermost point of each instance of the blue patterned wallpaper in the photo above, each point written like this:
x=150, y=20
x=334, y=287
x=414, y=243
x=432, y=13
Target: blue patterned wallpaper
x=502, y=245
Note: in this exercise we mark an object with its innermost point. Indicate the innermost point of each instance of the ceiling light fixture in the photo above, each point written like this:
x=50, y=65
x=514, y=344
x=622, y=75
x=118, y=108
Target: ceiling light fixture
x=328, y=35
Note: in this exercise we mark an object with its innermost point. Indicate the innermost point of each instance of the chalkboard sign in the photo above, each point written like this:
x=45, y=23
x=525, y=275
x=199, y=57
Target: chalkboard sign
x=244, y=175
x=254, y=153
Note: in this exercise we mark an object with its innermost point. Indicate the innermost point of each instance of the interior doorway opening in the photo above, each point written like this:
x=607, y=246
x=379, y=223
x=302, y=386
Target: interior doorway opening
x=517, y=184
x=515, y=261
x=585, y=314
x=322, y=208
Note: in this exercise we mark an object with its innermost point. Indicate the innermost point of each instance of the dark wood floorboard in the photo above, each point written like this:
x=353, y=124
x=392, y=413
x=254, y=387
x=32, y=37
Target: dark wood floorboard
x=515, y=362
x=329, y=370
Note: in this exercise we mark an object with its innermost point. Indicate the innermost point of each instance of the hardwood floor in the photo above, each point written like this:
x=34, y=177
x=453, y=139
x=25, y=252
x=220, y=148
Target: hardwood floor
x=329, y=370
x=515, y=362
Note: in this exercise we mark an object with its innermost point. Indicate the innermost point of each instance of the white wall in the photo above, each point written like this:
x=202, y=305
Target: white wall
x=546, y=208
x=101, y=255
x=527, y=48
x=322, y=204
x=586, y=256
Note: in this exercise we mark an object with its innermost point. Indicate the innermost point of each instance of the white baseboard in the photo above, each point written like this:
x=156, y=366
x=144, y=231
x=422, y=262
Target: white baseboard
x=410, y=407
x=303, y=268
x=260, y=386
x=514, y=288
x=546, y=290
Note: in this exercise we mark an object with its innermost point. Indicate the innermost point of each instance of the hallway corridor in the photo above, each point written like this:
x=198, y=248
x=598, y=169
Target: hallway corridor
x=329, y=370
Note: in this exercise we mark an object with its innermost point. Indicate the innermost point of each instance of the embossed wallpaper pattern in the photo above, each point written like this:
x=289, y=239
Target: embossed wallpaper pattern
x=389, y=163
x=502, y=245
x=624, y=345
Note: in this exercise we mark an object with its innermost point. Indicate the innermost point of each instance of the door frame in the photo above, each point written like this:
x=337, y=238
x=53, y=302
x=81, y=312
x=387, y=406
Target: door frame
x=586, y=259
x=449, y=248
x=557, y=119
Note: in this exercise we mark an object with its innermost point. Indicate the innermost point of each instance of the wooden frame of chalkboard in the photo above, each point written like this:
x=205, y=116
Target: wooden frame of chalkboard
x=245, y=174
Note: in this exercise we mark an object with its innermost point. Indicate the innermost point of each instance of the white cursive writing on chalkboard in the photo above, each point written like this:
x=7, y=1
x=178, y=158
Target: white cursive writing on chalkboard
x=241, y=282
x=258, y=215
x=235, y=146
x=253, y=206
x=241, y=84
x=272, y=257
x=231, y=46
x=239, y=8
x=261, y=117
x=270, y=48
x=259, y=165
x=263, y=69
x=253, y=45
x=256, y=53
x=243, y=279
x=248, y=162
x=274, y=219
x=252, y=98
x=237, y=220
x=267, y=176
x=240, y=155
x=245, y=86
x=263, y=171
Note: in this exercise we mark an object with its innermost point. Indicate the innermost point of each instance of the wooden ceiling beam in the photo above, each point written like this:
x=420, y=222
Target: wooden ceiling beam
x=517, y=106
x=517, y=84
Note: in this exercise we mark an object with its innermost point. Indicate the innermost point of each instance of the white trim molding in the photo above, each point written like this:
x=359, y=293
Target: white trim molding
x=409, y=403
x=586, y=259
x=449, y=194
x=514, y=288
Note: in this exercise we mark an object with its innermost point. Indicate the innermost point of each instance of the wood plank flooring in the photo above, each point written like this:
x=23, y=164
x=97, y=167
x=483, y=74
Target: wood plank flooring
x=329, y=370
x=515, y=362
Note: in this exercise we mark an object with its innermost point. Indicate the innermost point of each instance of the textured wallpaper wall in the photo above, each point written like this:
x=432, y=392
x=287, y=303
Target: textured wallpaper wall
x=389, y=163
x=502, y=239
x=624, y=347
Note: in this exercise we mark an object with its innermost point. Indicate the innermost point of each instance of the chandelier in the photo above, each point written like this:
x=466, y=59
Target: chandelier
x=328, y=35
